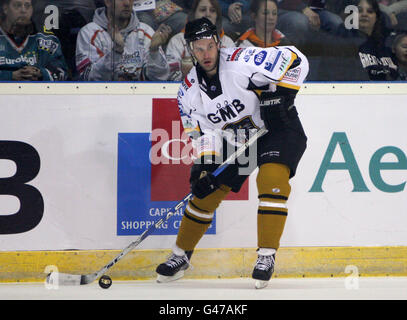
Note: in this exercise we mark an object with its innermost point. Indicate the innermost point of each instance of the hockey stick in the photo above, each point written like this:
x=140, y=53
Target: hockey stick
x=76, y=279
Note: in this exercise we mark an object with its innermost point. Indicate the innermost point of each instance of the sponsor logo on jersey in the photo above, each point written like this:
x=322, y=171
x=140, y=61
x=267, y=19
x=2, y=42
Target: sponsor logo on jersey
x=248, y=54
x=259, y=58
x=292, y=75
x=235, y=55
x=132, y=58
x=284, y=62
x=47, y=45
x=269, y=65
x=30, y=60
x=227, y=112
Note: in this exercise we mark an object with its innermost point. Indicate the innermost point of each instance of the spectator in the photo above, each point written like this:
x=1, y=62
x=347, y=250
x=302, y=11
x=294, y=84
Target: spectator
x=235, y=17
x=399, y=49
x=375, y=56
x=170, y=12
x=72, y=16
x=177, y=52
x=24, y=54
x=116, y=46
x=297, y=19
x=264, y=33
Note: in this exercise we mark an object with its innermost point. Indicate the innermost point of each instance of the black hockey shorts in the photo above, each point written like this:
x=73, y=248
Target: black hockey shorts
x=286, y=146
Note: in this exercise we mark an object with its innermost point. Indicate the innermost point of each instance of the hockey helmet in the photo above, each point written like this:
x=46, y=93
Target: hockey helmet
x=201, y=28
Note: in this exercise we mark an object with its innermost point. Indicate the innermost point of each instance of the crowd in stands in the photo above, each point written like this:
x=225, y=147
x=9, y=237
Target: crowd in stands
x=119, y=40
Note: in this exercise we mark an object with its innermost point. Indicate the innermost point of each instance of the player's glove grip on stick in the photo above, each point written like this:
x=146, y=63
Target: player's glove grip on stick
x=204, y=186
x=203, y=182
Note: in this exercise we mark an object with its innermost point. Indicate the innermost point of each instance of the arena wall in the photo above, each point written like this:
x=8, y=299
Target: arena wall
x=77, y=184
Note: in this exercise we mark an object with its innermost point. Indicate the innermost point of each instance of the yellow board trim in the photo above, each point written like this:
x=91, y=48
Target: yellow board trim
x=291, y=262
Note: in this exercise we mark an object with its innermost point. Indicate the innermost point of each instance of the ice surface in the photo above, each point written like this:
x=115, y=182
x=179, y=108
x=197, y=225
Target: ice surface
x=364, y=288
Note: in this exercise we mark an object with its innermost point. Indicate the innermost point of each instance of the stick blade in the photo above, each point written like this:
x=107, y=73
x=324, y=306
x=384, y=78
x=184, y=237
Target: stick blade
x=63, y=279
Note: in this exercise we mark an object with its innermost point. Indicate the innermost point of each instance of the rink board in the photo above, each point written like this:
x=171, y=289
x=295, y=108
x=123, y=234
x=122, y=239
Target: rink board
x=219, y=263
x=349, y=191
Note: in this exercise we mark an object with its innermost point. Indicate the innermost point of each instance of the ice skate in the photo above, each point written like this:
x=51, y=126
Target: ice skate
x=174, y=268
x=264, y=268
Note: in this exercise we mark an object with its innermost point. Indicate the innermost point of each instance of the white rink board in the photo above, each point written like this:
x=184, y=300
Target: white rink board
x=76, y=138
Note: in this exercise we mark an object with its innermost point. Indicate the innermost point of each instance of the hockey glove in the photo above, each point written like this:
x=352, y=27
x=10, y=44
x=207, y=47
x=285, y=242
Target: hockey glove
x=205, y=185
x=203, y=182
x=276, y=110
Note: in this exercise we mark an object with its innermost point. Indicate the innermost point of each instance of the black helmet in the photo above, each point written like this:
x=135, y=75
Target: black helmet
x=201, y=28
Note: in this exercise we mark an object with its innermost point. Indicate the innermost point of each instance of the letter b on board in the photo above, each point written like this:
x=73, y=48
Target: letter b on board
x=31, y=210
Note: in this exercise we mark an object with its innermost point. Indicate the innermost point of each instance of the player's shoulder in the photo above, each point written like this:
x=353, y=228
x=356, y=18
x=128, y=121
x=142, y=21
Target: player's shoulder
x=189, y=85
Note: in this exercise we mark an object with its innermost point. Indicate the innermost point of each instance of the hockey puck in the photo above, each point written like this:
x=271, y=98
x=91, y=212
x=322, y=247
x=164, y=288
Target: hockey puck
x=105, y=282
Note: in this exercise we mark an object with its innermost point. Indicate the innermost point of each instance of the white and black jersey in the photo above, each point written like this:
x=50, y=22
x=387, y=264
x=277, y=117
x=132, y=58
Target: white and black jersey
x=230, y=99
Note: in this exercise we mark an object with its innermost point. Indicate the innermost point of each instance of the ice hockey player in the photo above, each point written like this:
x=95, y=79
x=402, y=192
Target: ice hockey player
x=234, y=89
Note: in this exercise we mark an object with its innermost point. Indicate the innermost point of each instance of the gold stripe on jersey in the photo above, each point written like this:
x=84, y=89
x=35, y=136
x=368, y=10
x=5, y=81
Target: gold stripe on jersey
x=188, y=130
x=209, y=153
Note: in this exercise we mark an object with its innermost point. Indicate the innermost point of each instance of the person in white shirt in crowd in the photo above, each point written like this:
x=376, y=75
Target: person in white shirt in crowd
x=116, y=46
x=180, y=60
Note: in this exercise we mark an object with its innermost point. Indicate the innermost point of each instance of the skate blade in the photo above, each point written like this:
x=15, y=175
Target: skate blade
x=165, y=279
x=260, y=284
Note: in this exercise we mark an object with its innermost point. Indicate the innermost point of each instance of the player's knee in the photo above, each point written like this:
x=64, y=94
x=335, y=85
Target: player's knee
x=203, y=209
x=273, y=181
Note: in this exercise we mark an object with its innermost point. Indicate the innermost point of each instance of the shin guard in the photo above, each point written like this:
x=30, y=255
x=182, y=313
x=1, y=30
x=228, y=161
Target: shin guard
x=274, y=190
x=197, y=218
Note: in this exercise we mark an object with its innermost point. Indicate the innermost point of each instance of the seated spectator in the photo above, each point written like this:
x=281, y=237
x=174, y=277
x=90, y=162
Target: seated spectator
x=178, y=55
x=116, y=46
x=24, y=54
x=399, y=49
x=170, y=12
x=72, y=16
x=264, y=33
x=375, y=56
x=297, y=19
x=236, y=19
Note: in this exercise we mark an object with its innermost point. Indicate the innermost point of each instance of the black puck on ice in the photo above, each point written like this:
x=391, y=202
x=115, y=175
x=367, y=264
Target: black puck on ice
x=105, y=282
